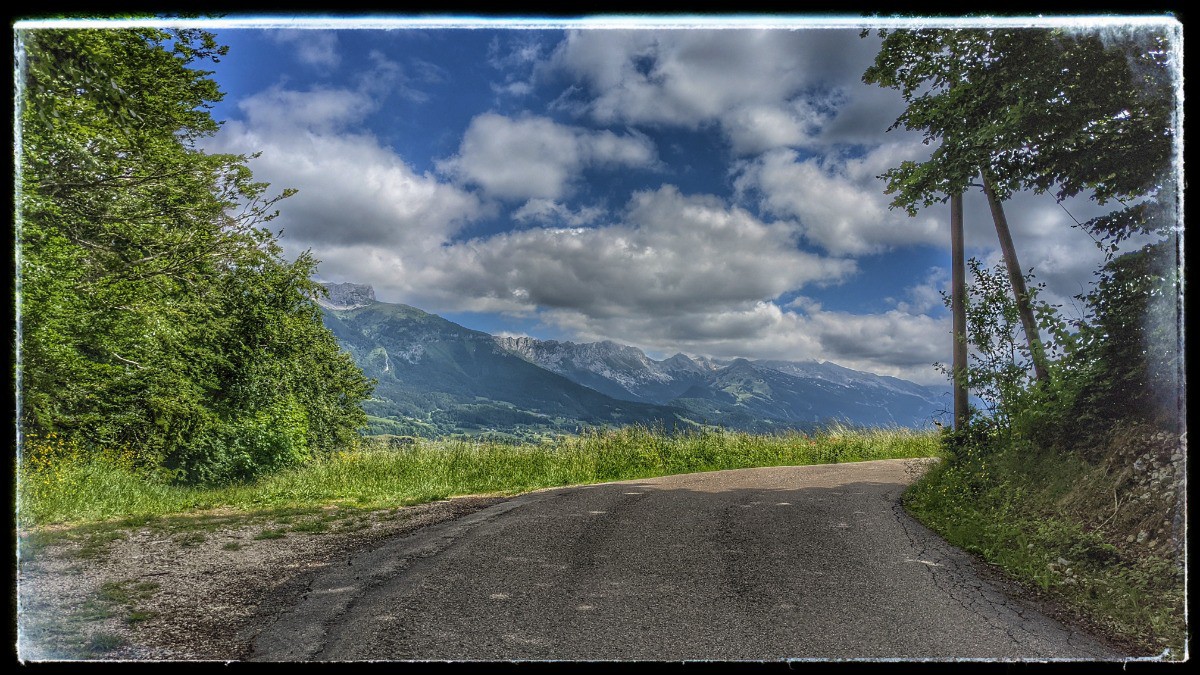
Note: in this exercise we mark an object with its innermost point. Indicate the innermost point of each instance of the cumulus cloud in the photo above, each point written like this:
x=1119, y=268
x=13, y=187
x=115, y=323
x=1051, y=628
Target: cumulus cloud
x=675, y=272
x=895, y=340
x=672, y=254
x=353, y=191
x=895, y=343
x=753, y=129
x=840, y=205
x=670, y=271
x=839, y=201
x=762, y=88
x=318, y=110
x=678, y=272
x=926, y=296
x=536, y=157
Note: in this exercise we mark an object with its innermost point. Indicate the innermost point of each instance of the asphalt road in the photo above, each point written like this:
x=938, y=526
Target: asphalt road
x=812, y=562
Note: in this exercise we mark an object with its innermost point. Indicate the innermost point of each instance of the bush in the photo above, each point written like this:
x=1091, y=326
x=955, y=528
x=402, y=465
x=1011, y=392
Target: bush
x=247, y=447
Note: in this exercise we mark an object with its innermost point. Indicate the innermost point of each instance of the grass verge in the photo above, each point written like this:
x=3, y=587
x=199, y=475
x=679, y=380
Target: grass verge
x=85, y=491
x=1094, y=538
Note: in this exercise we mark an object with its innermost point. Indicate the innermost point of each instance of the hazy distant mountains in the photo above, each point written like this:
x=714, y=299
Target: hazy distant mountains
x=795, y=393
x=437, y=377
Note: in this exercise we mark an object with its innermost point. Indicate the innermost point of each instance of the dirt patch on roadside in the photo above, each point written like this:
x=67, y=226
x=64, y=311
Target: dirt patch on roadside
x=189, y=588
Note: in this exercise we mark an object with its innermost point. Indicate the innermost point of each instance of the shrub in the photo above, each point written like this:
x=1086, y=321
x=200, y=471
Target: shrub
x=248, y=446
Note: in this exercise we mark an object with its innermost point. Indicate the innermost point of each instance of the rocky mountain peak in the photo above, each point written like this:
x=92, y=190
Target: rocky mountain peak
x=347, y=296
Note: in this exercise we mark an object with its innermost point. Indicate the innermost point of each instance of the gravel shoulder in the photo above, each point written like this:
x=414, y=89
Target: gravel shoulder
x=188, y=588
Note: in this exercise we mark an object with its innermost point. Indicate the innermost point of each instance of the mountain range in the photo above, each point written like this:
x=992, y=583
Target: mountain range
x=435, y=377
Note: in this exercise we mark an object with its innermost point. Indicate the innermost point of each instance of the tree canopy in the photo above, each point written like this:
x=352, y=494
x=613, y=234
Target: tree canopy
x=157, y=311
x=1038, y=109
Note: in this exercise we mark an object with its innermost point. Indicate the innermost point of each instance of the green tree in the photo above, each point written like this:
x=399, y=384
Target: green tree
x=1036, y=109
x=138, y=252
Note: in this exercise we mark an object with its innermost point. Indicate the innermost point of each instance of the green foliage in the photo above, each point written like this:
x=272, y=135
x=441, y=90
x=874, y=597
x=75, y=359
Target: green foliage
x=1118, y=364
x=1071, y=110
x=156, y=311
x=1039, y=109
x=1004, y=503
x=1036, y=108
x=999, y=361
x=247, y=445
x=1010, y=473
x=1121, y=367
x=1042, y=110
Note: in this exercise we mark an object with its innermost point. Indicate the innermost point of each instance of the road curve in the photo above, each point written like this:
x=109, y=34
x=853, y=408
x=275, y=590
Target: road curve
x=816, y=562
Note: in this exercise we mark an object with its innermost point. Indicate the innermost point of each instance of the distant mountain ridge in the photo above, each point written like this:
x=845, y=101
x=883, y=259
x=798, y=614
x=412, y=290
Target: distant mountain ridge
x=617, y=370
x=436, y=377
x=791, y=391
x=347, y=296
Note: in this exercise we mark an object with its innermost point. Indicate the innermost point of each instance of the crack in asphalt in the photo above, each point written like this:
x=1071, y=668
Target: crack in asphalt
x=957, y=576
x=947, y=576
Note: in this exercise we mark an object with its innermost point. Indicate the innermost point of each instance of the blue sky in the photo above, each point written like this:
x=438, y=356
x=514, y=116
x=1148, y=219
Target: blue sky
x=713, y=192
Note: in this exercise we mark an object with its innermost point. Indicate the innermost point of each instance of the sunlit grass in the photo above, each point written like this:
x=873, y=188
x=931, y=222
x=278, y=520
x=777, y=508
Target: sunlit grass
x=79, y=489
x=1008, y=507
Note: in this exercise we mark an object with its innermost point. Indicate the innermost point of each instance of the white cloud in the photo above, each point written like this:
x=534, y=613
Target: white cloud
x=535, y=157
x=893, y=343
x=671, y=271
x=312, y=47
x=764, y=89
x=753, y=129
x=926, y=296
x=679, y=272
x=318, y=110
x=672, y=254
x=839, y=201
x=841, y=207
x=353, y=191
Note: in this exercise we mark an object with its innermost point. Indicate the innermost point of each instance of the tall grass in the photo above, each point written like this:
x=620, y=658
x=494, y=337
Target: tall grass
x=1012, y=506
x=91, y=489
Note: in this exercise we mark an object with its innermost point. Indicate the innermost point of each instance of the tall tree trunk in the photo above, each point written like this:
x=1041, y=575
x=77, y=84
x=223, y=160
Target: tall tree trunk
x=1018, y=282
x=958, y=308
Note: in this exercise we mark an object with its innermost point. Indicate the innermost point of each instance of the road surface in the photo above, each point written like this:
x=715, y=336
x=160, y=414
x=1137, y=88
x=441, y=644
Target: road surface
x=815, y=562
